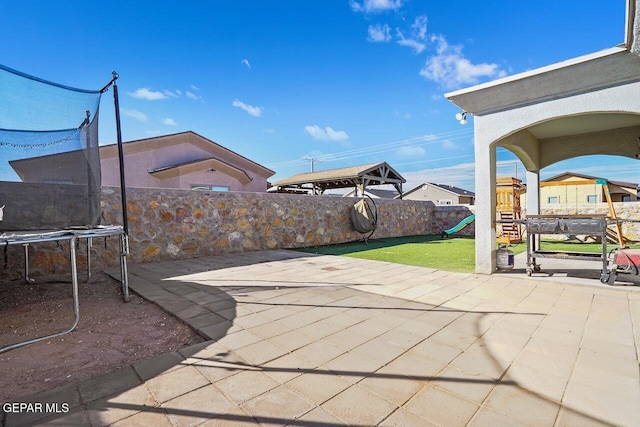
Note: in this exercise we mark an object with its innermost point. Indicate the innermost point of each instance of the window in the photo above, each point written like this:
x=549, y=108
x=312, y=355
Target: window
x=445, y=202
x=198, y=187
x=553, y=199
x=592, y=198
x=626, y=198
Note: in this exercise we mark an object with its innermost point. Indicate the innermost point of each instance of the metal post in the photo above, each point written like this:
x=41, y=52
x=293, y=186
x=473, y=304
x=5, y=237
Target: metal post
x=26, y=264
x=123, y=190
x=89, y=246
x=124, y=274
x=74, y=281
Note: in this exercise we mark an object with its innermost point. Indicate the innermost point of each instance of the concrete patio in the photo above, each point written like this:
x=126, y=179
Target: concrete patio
x=306, y=340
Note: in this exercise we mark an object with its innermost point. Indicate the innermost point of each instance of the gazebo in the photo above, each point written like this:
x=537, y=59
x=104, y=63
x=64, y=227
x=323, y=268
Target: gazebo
x=358, y=177
x=583, y=106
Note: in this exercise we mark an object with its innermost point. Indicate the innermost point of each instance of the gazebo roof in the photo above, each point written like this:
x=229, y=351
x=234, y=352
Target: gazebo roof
x=363, y=175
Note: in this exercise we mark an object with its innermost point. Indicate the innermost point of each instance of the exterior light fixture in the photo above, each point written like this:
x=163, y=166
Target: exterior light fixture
x=462, y=118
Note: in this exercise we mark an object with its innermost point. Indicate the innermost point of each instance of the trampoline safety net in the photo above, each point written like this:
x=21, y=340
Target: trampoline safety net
x=49, y=154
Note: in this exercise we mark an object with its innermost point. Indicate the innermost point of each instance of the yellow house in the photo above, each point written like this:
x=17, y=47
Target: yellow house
x=574, y=188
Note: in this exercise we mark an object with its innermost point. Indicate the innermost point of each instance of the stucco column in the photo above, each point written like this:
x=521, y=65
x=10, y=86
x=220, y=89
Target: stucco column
x=533, y=193
x=485, y=155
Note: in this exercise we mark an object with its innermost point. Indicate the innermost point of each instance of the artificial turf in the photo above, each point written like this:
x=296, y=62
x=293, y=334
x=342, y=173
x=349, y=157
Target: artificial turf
x=456, y=253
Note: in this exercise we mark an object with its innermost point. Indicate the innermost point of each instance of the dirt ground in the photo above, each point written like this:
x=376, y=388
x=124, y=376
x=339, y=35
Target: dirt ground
x=111, y=334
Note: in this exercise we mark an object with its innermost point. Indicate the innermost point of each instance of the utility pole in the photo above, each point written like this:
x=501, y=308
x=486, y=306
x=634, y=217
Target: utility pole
x=312, y=160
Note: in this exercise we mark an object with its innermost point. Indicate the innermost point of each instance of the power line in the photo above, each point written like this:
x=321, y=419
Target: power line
x=381, y=148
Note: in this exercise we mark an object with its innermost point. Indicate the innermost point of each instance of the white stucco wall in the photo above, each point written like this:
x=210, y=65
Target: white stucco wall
x=500, y=128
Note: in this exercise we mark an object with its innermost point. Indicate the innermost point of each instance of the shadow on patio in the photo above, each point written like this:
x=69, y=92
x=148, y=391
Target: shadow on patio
x=324, y=340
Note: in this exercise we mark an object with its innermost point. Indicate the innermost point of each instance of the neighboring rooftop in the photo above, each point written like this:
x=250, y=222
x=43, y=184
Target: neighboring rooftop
x=589, y=177
x=445, y=187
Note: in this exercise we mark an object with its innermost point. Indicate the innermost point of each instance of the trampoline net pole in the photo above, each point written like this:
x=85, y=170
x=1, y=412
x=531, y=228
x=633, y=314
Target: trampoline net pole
x=123, y=189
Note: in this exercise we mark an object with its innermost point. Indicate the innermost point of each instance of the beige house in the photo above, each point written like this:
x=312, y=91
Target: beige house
x=185, y=161
x=570, y=188
x=440, y=194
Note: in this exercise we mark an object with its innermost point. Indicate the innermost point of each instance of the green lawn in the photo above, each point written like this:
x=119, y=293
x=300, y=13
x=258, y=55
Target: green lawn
x=455, y=254
x=452, y=254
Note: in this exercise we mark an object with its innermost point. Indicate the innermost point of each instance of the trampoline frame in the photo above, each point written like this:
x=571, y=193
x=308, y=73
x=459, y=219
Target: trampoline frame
x=73, y=236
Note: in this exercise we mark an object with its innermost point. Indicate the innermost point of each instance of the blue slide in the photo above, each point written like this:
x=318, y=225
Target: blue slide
x=468, y=220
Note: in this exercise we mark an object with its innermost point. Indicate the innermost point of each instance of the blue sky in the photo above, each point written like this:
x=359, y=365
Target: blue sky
x=343, y=82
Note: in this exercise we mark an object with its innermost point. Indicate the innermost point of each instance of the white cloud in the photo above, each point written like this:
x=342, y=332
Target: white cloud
x=145, y=93
x=379, y=33
x=451, y=69
x=138, y=115
x=191, y=95
x=326, y=134
x=373, y=6
x=169, y=122
x=417, y=46
x=461, y=176
x=269, y=130
x=194, y=87
x=245, y=62
x=405, y=115
x=170, y=94
x=411, y=152
x=254, y=111
x=447, y=144
x=419, y=27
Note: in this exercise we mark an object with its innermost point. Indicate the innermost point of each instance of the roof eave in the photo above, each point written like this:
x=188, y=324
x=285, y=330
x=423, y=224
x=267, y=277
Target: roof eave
x=599, y=70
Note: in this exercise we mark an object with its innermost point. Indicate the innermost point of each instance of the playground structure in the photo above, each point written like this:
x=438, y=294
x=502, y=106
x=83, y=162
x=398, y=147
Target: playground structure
x=462, y=224
x=508, y=210
x=508, y=191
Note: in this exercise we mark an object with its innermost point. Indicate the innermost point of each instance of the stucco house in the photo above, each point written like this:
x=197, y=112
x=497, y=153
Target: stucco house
x=573, y=188
x=440, y=194
x=185, y=161
x=588, y=105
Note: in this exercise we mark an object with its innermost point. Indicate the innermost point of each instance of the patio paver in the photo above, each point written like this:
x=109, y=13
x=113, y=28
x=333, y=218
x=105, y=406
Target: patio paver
x=300, y=339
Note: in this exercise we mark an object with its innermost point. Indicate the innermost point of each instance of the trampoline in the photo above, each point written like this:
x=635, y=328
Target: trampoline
x=50, y=176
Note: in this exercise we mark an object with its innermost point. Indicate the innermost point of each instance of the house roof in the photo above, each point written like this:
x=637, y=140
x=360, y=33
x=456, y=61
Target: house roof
x=371, y=174
x=216, y=150
x=579, y=175
x=450, y=188
x=171, y=171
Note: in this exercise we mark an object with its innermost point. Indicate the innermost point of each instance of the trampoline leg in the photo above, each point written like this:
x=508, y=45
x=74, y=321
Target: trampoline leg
x=74, y=281
x=89, y=246
x=26, y=264
x=76, y=304
x=124, y=275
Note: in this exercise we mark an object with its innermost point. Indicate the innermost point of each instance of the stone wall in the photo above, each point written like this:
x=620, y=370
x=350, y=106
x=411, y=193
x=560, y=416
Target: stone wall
x=445, y=217
x=624, y=210
x=179, y=224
